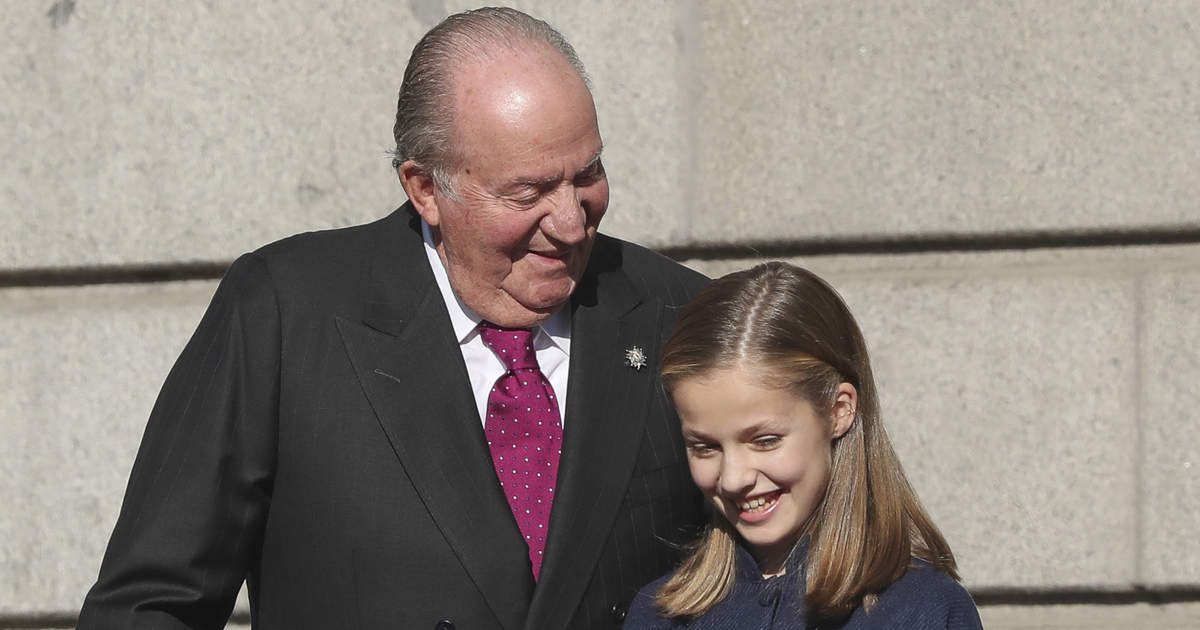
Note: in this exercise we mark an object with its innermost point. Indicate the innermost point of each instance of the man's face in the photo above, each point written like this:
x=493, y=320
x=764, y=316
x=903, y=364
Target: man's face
x=530, y=188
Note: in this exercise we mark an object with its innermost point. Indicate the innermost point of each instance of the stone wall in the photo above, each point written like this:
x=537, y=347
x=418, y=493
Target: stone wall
x=1005, y=193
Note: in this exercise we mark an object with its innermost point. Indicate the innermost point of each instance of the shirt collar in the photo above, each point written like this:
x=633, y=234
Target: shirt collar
x=556, y=330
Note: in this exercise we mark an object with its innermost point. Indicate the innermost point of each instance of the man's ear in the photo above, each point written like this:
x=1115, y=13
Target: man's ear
x=845, y=409
x=419, y=186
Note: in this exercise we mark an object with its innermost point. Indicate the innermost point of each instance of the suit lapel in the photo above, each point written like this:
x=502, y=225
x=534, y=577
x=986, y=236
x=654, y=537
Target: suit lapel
x=410, y=367
x=606, y=412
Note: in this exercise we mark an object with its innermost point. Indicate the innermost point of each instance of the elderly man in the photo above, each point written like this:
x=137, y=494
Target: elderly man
x=446, y=418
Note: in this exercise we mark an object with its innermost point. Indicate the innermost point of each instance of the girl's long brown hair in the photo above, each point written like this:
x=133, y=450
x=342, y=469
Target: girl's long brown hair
x=793, y=330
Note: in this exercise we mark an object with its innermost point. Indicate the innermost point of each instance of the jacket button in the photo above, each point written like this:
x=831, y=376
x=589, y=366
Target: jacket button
x=618, y=612
x=444, y=624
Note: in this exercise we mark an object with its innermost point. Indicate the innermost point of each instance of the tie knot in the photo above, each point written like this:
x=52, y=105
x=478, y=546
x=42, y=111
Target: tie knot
x=514, y=346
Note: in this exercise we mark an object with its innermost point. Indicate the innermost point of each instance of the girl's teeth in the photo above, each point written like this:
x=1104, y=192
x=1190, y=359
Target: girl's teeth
x=753, y=504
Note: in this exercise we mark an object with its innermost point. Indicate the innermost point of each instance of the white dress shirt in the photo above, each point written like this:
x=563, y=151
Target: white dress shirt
x=551, y=341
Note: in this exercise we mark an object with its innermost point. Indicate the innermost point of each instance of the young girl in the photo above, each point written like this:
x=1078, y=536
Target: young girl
x=813, y=522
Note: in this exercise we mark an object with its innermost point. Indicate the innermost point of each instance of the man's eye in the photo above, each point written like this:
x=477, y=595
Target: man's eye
x=525, y=200
x=590, y=176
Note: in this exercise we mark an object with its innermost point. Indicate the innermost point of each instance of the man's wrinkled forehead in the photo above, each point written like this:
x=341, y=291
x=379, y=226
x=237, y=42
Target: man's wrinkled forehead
x=507, y=63
x=526, y=94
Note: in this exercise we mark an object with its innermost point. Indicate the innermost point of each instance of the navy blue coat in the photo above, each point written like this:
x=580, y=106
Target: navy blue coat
x=923, y=598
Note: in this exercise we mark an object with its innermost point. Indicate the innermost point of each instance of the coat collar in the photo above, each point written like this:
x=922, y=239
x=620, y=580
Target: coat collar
x=405, y=323
x=410, y=367
x=747, y=566
x=607, y=405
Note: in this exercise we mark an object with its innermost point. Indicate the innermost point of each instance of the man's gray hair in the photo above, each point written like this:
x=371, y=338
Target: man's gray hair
x=424, y=128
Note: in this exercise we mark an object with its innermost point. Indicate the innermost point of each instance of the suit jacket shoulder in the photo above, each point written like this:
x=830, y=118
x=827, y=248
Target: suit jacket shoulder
x=344, y=264
x=318, y=438
x=648, y=272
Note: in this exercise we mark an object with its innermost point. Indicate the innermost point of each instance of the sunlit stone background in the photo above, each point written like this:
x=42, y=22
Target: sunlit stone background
x=1007, y=194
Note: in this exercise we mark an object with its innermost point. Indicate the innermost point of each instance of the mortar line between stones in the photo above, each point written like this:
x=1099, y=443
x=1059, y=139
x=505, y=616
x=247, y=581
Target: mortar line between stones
x=934, y=243
x=111, y=274
x=918, y=244
x=982, y=596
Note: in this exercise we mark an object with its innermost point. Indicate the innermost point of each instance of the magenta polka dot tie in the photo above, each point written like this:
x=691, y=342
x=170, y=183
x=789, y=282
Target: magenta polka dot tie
x=524, y=434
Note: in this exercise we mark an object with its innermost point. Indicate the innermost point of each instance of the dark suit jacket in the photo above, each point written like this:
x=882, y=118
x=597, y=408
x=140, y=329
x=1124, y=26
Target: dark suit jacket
x=319, y=439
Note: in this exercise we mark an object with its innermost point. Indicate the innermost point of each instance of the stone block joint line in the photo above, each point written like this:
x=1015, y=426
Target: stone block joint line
x=914, y=244
x=984, y=597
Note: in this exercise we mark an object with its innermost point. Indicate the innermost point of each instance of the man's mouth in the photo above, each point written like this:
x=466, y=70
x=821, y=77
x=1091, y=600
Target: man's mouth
x=552, y=259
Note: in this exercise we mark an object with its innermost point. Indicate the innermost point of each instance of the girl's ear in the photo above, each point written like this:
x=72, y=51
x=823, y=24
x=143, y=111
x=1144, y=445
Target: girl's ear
x=845, y=409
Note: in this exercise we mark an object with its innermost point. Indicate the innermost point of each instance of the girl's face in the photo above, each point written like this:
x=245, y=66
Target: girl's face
x=761, y=454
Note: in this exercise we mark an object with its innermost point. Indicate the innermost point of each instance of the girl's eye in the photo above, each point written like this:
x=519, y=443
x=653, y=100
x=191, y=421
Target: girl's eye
x=767, y=441
x=699, y=449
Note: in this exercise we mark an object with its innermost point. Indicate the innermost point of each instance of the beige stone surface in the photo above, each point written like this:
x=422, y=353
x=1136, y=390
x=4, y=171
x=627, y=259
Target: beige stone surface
x=81, y=368
x=1170, y=498
x=152, y=132
x=841, y=119
x=144, y=133
x=1178, y=616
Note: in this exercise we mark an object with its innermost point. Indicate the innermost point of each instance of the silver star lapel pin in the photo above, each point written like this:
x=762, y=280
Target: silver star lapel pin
x=635, y=358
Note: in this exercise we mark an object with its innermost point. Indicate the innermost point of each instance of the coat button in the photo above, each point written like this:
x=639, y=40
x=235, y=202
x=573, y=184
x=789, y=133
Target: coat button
x=444, y=624
x=618, y=612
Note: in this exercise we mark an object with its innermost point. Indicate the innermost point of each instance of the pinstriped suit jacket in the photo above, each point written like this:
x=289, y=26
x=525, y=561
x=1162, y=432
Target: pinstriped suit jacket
x=318, y=438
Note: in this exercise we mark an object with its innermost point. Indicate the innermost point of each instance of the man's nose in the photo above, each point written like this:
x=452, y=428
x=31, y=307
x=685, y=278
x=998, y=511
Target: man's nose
x=738, y=476
x=566, y=221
